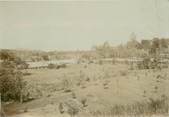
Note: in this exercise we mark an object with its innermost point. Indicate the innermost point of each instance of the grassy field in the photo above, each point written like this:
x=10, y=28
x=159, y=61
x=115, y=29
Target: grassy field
x=109, y=90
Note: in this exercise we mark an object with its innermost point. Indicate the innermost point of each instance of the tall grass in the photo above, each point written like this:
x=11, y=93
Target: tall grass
x=150, y=107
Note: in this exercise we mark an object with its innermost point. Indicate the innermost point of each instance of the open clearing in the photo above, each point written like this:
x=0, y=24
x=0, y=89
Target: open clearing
x=102, y=85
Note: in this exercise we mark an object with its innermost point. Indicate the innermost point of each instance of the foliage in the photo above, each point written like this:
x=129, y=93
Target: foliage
x=7, y=55
x=11, y=83
x=52, y=66
x=146, y=44
x=133, y=48
x=105, y=50
x=133, y=43
x=45, y=57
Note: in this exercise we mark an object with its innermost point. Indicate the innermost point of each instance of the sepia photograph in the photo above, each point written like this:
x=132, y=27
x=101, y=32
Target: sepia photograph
x=84, y=58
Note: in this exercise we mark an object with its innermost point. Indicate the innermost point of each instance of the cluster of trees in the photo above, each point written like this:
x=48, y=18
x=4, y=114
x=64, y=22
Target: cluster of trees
x=11, y=82
x=37, y=55
x=120, y=51
x=149, y=45
x=132, y=48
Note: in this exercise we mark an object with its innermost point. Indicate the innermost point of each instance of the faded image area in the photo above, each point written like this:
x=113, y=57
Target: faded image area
x=84, y=58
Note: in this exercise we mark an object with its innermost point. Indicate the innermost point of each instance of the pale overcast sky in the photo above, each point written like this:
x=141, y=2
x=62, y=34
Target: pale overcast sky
x=79, y=25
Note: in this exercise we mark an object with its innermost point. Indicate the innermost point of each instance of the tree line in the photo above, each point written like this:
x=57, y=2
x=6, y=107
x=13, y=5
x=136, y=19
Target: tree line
x=133, y=48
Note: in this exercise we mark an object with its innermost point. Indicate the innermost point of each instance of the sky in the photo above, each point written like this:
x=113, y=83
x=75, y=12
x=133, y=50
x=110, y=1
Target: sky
x=78, y=25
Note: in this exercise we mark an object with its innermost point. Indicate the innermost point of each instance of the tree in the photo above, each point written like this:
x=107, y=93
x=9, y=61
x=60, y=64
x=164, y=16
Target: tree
x=156, y=43
x=11, y=82
x=6, y=55
x=163, y=43
x=146, y=44
x=45, y=57
x=105, y=50
x=155, y=46
x=133, y=43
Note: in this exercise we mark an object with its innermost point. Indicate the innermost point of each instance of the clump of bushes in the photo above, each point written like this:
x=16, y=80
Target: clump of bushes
x=52, y=66
x=55, y=66
x=145, y=64
x=61, y=66
x=152, y=63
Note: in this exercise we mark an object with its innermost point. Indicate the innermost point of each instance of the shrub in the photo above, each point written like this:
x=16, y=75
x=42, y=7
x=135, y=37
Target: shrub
x=61, y=66
x=51, y=66
x=83, y=101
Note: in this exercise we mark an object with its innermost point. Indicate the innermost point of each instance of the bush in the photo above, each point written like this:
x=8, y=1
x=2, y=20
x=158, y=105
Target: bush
x=83, y=101
x=51, y=66
x=145, y=64
x=61, y=66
